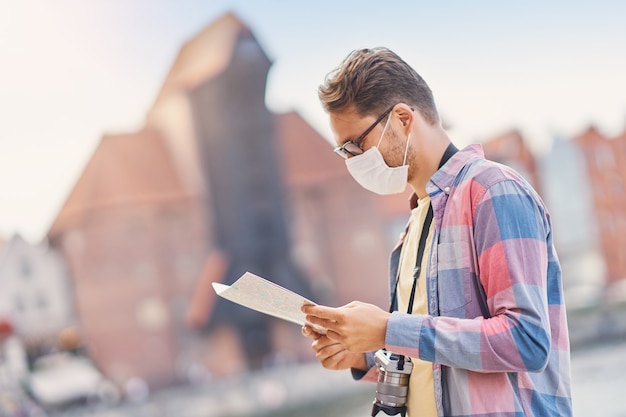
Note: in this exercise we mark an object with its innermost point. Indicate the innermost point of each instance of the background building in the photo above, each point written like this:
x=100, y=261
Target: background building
x=35, y=292
x=213, y=186
x=606, y=169
x=568, y=194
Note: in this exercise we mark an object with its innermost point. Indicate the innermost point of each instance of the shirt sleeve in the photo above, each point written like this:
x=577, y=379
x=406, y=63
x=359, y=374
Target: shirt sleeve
x=366, y=376
x=510, y=238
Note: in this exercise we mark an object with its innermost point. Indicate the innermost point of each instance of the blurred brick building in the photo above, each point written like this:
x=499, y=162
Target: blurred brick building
x=212, y=186
x=605, y=160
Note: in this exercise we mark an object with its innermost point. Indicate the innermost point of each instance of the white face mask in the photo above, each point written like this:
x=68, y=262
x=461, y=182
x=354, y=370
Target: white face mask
x=372, y=172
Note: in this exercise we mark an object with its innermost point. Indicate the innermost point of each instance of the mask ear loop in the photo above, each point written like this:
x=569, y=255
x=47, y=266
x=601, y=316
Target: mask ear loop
x=406, y=150
x=384, y=130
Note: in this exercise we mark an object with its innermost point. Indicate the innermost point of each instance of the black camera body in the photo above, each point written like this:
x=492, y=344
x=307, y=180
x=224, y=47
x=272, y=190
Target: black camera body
x=392, y=388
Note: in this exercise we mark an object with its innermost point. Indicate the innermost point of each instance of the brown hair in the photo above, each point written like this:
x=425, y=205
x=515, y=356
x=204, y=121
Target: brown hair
x=372, y=80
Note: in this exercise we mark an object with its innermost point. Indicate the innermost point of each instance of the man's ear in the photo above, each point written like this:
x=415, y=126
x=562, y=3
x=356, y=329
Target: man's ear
x=406, y=115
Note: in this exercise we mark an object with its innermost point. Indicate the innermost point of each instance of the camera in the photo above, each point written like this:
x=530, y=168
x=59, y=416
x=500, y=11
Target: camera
x=392, y=388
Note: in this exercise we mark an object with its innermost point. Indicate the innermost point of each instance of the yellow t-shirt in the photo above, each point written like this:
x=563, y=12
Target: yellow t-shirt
x=421, y=399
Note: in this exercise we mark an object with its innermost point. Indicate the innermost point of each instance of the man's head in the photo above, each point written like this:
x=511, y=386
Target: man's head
x=385, y=121
x=370, y=81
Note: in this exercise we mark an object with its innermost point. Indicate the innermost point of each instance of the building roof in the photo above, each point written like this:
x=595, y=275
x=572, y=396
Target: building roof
x=124, y=169
x=16, y=241
x=204, y=56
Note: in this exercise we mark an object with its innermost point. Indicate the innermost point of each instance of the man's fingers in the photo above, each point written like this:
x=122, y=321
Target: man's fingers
x=325, y=323
x=326, y=317
x=326, y=349
x=309, y=332
x=323, y=312
x=334, y=336
x=332, y=359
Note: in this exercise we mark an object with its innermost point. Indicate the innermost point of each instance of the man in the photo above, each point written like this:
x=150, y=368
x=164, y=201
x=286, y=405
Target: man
x=476, y=292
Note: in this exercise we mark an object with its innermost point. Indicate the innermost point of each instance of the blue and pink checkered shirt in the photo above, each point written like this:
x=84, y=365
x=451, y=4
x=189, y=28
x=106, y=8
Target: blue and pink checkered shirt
x=496, y=330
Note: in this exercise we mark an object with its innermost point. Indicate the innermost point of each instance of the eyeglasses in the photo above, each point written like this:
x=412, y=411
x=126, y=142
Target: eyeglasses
x=353, y=147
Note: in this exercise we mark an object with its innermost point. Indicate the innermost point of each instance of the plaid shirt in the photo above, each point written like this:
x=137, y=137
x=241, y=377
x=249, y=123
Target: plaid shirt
x=496, y=330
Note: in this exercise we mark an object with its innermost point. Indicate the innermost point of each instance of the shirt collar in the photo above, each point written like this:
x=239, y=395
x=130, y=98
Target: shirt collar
x=451, y=164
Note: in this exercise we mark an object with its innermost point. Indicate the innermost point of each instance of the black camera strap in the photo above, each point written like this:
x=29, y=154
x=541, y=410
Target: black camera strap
x=420, y=255
x=450, y=150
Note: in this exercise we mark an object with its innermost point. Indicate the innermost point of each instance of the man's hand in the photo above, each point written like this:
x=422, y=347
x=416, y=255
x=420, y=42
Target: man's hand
x=358, y=326
x=333, y=355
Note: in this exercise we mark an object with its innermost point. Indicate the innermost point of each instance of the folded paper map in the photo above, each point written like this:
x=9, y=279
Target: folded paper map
x=267, y=297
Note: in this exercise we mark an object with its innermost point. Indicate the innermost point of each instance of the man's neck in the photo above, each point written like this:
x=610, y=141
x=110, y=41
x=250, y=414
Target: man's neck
x=427, y=165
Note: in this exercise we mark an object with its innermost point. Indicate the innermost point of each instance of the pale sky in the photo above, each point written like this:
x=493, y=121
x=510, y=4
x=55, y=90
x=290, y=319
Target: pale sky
x=73, y=70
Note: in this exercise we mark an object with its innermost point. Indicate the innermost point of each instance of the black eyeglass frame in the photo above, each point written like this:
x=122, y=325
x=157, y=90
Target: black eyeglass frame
x=355, y=144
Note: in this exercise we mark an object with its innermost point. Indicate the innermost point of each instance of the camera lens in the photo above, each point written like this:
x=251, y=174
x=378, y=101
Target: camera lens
x=392, y=388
